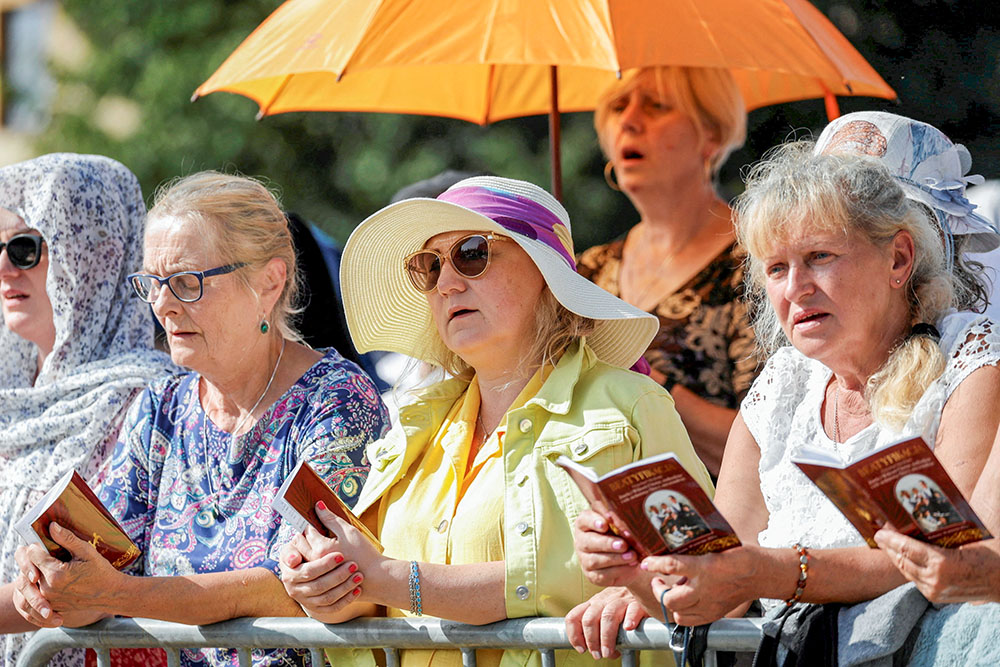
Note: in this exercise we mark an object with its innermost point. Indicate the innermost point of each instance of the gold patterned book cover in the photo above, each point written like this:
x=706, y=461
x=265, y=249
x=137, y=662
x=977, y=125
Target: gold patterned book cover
x=902, y=484
x=656, y=506
x=72, y=504
x=296, y=503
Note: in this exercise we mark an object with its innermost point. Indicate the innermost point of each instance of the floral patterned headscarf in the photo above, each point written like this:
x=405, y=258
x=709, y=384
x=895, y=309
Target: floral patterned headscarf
x=90, y=211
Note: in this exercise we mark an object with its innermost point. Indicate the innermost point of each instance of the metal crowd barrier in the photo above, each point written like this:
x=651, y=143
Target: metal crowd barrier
x=541, y=634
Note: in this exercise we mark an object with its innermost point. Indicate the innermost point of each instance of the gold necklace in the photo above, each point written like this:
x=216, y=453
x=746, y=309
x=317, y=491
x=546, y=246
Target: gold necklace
x=836, y=411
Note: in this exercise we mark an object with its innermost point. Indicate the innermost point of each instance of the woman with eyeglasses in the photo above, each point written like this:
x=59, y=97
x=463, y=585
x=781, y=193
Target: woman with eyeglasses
x=475, y=518
x=74, y=350
x=203, y=453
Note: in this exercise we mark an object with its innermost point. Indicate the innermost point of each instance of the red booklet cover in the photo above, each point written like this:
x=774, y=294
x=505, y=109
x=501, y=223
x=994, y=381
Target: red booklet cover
x=902, y=484
x=72, y=504
x=296, y=502
x=656, y=506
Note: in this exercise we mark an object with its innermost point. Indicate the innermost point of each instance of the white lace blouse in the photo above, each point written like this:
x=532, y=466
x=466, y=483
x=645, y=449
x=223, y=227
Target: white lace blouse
x=782, y=412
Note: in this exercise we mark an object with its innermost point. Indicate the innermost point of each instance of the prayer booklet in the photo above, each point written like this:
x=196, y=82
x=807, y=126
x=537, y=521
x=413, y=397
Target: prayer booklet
x=901, y=484
x=656, y=506
x=296, y=503
x=73, y=505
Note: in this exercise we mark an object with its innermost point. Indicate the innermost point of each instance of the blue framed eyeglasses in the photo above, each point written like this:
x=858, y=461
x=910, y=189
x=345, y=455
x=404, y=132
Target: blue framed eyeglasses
x=187, y=286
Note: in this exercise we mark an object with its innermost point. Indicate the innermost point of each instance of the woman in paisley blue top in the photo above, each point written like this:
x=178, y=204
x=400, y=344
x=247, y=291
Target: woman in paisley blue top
x=202, y=454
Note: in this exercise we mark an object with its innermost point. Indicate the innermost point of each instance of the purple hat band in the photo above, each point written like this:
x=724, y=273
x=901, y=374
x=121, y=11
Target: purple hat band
x=514, y=213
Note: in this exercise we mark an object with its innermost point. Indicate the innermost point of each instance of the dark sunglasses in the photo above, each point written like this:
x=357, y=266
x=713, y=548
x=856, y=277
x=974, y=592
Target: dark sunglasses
x=187, y=286
x=469, y=256
x=24, y=250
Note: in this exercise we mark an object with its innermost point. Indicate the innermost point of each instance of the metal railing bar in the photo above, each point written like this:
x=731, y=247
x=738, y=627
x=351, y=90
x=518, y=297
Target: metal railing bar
x=468, y=657
x=249, y=633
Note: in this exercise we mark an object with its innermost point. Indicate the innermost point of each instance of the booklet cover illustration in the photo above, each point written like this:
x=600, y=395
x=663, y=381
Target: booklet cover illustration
x=902, y=484
x=656, y=506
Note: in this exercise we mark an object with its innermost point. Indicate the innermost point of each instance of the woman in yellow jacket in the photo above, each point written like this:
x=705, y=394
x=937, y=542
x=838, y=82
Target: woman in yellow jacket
x=464, y=494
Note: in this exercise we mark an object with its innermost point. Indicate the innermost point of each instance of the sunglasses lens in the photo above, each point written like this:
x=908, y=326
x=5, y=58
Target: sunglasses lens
x=24, y=251
x=471, y=256
x=424, y=268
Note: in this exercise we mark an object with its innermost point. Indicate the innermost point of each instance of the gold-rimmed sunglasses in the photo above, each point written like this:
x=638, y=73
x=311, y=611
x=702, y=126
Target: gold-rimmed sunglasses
x=470, y=256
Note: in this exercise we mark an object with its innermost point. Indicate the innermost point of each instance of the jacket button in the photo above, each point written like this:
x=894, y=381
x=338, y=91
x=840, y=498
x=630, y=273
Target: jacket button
x=443, y=526
x=522, y=480
x=522, y=592
x=521, y=527
x=579, y=448
x=525, y=425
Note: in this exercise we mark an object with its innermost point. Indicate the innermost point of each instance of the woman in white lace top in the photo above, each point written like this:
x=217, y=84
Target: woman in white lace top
x=868, y=322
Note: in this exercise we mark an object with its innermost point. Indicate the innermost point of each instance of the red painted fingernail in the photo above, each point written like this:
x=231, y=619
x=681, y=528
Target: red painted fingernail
x=338, y=559
x=357, y=591
x=357, y=579
x=321, y=505
x=353, y=567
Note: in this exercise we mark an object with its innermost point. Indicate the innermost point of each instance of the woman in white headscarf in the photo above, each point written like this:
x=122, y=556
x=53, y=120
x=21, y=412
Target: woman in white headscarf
x=76, y=348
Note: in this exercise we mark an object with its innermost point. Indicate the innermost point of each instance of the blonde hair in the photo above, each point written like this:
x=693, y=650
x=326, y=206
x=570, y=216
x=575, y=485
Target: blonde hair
x=243, y=221
x=556, y=328
x=708, y=96
x=791, y=191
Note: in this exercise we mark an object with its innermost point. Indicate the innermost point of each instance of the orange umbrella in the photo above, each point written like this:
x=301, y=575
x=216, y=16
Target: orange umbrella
x=488, y=61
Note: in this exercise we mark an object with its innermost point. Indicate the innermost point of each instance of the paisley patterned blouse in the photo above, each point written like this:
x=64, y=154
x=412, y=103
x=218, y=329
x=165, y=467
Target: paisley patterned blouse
x=705, y=342
x=192, y=507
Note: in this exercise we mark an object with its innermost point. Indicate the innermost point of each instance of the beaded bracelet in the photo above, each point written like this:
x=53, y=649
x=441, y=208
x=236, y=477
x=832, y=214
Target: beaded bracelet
x=416, y=606
x=800, y=585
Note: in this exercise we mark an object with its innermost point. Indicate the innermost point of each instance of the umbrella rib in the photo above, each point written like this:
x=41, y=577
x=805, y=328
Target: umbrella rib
x=361, y=33
x=265, y=108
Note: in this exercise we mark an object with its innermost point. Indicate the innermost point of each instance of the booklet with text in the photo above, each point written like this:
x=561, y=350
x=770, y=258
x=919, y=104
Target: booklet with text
x=656, y=506
x=902, y=484
x=73, y=505
x=296, y=503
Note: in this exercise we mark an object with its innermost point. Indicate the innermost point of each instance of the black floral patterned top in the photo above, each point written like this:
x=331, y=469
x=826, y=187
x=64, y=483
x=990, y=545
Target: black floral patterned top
x=705, y=342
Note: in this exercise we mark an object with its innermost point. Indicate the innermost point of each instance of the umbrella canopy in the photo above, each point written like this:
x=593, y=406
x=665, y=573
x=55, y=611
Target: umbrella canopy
x=488, y=61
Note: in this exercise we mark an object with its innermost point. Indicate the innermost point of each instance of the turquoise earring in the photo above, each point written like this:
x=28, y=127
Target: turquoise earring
x=264, y=326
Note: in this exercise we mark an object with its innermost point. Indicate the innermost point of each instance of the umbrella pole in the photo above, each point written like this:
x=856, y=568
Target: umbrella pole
x=554, y=139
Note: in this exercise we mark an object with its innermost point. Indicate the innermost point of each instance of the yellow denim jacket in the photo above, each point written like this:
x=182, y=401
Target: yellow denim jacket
x=599, y=415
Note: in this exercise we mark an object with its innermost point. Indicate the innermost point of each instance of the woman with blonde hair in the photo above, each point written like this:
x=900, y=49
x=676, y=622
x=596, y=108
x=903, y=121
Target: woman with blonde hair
x=873, y=340
x=666, y=132
x=465, y=495
x=202, y=453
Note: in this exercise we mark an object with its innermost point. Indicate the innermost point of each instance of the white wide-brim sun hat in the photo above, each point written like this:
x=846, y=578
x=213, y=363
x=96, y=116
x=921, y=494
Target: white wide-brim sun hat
x=385, y=312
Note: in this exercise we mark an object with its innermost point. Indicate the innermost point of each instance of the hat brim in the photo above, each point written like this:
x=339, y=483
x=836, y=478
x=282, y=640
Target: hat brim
x=385, y=312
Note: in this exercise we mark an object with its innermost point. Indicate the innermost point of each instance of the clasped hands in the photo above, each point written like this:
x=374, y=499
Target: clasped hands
x=325, y=574
x=50, y=593
x=694, y=589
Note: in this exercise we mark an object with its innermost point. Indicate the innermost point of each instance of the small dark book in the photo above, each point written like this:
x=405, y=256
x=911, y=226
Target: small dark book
x=296, y=503
x=656, y=506
x=73, y=505
x=901, y=484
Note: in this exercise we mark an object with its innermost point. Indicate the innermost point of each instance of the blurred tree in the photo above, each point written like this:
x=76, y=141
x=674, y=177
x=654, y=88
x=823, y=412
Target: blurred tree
x=130, y=101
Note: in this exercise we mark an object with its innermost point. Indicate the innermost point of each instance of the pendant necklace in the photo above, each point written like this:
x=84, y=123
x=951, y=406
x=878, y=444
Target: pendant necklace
x=234, y=438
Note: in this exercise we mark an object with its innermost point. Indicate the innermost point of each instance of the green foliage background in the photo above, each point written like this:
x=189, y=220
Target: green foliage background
x=941, y=56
